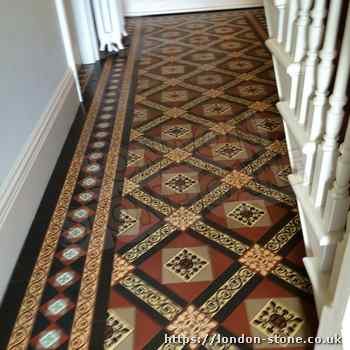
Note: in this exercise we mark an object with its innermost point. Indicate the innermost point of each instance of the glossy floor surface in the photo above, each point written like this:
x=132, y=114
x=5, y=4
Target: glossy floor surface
x=174, y=216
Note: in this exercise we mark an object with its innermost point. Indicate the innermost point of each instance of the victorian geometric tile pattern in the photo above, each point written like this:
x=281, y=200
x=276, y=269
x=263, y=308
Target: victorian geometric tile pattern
x=176, y=216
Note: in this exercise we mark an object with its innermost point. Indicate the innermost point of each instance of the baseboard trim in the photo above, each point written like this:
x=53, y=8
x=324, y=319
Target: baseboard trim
x=22, y=190
x=136, y=8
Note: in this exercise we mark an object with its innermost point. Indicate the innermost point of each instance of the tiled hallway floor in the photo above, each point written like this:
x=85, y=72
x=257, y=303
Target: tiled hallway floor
x=176, y=216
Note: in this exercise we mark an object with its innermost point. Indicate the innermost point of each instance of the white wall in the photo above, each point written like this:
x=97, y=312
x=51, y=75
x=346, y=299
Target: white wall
x=39, y=100
x=32, y=63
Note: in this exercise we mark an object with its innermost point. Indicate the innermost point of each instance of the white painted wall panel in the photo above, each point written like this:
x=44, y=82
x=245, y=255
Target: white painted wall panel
x=32, y=65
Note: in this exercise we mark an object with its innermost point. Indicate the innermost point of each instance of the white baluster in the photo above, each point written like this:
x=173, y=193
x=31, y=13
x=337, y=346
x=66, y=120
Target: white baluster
x=334, y=119
x=338, y=200
x=302, y=27
x=323, y=79
x=292, y=16
x=300, y=48
x=325, y=69
x=315, y=37
x=281, y=6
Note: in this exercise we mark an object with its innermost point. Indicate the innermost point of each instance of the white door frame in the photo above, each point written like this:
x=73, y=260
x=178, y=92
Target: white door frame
x=67, y=36
x=78, y=35
x=86, y=32
x=155, y=7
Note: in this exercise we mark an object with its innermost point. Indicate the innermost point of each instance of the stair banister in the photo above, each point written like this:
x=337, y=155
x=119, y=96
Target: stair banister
x=316, y=29
x=292, y=16
x=334, y=311
x=328, y=150
x=324, y=73
x=302, y=24
x=338, y=199
x=325, y=69
x=281, y=8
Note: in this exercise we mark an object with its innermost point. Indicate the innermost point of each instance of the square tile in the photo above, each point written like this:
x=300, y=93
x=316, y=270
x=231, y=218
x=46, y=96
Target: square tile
x=186, y=265
x=277, y=319
x=247, y=214
x=227, y=151
x=118, y=331
x=180, y=183
x=179, y=131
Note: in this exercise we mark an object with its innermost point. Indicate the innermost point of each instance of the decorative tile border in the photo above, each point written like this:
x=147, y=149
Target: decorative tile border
x=22, y=329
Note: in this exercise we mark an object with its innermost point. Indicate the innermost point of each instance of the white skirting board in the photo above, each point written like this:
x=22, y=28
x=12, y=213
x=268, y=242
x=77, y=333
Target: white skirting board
x=22, y=190
x=155, y=7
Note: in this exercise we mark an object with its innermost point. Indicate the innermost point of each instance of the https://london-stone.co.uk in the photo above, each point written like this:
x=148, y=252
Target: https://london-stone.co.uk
x=218, y=339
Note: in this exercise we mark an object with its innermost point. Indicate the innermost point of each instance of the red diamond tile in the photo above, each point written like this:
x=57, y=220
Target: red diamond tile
x=189, y=290
x=227, y=214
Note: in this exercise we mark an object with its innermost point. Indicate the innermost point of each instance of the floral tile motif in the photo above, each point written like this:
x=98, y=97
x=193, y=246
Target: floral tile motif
x=237, y=179
x=174, y=96
x=252, y=91
x=228, y=150
x=277, y=319
x=217, y=109
x=180, y=183
x=246, y=214
x=116, y=330
x=175, y=112
x=259, y=106
x=260, y=260
x=121, y=269
x=182, y=218
x=186, y=264
x=177, y=131
x=269, y=124
x=178, y=155
x=129, y=187
x=192, y=323
x=221, y=128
